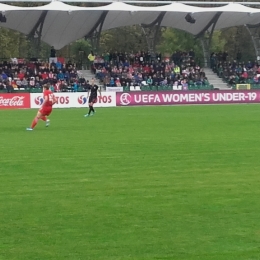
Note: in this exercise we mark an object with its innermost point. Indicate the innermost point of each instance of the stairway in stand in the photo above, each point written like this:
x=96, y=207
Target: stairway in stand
x=215, y=80
x=87, y=74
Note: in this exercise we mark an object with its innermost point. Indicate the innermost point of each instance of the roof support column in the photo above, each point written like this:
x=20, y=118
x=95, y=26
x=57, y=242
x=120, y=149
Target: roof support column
x=205, y=37
x=35, y=37
x=205, y=48
x=95, y=32
x=151, y=32
x=253, y=31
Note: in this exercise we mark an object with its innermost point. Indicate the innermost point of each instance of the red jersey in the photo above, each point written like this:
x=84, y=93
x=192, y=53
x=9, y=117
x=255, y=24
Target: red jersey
x=50, y=97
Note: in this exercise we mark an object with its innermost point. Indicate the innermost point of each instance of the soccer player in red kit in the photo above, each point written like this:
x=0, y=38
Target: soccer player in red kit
x=46, y=108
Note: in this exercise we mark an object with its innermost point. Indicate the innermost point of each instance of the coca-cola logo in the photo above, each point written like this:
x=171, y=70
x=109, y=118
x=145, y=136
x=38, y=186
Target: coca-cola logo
x=15, y=101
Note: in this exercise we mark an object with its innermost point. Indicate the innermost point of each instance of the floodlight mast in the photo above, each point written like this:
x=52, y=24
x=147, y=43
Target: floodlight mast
x=134, y=2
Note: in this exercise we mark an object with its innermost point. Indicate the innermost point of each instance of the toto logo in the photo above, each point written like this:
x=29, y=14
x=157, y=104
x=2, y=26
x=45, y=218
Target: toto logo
x=82, y=100
x=38, y=100
x=125, y=99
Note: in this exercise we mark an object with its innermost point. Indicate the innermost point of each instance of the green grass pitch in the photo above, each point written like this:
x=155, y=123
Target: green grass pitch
x=131, y=183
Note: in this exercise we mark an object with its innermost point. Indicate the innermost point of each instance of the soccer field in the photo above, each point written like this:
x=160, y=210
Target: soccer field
x=131, y=183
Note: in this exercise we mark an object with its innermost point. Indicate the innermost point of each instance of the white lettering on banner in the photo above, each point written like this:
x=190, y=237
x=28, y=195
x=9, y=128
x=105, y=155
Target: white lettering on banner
x=206, y=97
x=16, y=101
x=252, y=96
x=242, y=96
x=147, y=98
x=233, y=96
x=75, y=99
x=157, y=98
x=153, y=98
x=189, y=97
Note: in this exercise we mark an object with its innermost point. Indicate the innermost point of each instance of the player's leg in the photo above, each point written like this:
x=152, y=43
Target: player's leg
x=35, y=120
x=46, y=120
x=90, y=105
x=93, y=110
x=47, y=123
x=45, y=117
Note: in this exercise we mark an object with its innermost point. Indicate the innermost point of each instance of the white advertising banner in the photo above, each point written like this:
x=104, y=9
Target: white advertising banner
x=114, y=89
x=53, y=59
x=75, y=99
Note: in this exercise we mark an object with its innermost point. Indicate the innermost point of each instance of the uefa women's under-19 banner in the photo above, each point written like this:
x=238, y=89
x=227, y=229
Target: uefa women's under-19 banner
x=187, y=97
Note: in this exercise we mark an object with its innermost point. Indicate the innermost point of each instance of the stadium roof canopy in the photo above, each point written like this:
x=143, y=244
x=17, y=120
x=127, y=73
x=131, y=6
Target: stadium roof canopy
x=61, y=24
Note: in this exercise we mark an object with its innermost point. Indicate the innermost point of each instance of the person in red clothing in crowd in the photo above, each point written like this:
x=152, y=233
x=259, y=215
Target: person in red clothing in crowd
x=20, y=75
x=48, y=101
x=147, y=69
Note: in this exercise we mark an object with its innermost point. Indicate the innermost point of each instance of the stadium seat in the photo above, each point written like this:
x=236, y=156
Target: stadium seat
x=191, y=87
x=35, y=90
x=80, y=89
x=145, y=88
x=154, y=88
x=160, y=88
x=126, y=88
x=22, y=91
x=165, y=88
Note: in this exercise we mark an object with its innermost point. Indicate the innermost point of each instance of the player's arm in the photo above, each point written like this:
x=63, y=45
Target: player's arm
x=54, y=100
x=46, y=99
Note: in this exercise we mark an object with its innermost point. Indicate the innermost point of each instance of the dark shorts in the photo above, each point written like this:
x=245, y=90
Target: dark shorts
x=92, y=100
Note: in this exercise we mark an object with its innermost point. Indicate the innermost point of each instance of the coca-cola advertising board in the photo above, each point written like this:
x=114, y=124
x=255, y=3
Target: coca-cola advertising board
x=14, y=101
x=187, y=97
x=78, y=99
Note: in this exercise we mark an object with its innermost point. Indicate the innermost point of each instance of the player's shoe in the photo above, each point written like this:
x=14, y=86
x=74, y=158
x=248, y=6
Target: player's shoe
x=47, y=122
x=86, y=115
x=29, y=129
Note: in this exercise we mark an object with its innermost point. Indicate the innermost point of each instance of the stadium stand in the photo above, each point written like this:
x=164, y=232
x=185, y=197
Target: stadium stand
x=19, y=75
x=236, y=72
x=139, y=71
x=147, y=72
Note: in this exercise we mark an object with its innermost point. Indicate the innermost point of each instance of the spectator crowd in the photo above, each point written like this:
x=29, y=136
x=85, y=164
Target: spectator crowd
x=122, y=69
x=143, y=69
x=235, y=71
x=19, y=74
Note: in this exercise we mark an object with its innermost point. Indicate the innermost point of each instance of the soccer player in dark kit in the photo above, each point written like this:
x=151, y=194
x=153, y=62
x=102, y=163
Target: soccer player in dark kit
x=93, y=89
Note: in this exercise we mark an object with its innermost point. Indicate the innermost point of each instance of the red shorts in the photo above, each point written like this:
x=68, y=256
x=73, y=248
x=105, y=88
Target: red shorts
x=45, y=111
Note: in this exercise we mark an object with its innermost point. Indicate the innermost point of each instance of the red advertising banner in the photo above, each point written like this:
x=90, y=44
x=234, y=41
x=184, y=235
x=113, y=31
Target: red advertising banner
x=14, y=100
x=187, y=97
